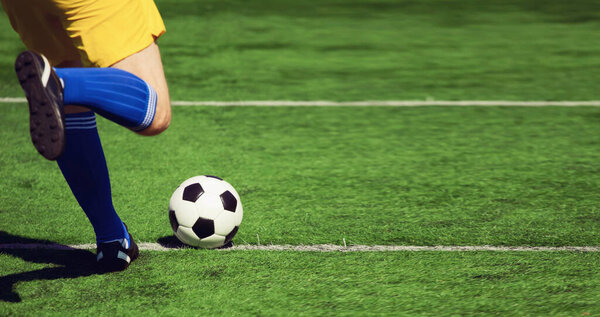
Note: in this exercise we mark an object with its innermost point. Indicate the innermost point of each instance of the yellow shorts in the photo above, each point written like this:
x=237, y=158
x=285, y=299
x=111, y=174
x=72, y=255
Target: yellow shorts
x=97, y=32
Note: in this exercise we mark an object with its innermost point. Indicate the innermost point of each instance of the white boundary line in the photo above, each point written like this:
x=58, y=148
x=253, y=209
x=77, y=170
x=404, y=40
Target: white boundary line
x=369, y=103
x=389, y=103
x=12, y=100
x=149, y=246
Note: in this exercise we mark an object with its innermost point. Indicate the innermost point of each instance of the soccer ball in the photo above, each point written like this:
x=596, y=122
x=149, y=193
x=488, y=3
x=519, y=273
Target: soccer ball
x=205, y=211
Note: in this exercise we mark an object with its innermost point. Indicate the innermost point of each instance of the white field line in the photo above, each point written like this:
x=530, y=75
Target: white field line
x=149, y=246
x=389, y=103
x=369, y=103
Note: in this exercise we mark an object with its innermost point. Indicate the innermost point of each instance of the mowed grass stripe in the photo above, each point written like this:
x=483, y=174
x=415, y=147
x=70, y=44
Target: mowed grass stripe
x=370, y=103
x=150, y=246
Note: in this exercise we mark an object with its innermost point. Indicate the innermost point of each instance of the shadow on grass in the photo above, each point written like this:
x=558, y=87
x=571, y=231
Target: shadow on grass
x=171, y=242
x=65, y=262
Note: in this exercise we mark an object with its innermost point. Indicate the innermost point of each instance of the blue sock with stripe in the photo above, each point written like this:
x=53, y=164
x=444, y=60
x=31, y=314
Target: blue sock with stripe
x=84, y=167
x=115, y=94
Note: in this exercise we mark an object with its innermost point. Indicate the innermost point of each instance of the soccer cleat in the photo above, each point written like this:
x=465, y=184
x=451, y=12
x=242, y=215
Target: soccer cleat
x=44, y=93
x=116, y=255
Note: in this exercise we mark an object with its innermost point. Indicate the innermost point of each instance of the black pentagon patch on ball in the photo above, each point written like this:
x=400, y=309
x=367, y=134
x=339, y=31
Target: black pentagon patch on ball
x=173, y=219
x=231, y=234
x=193, y=192
x=204, y=228
x=229, y=201
x=211, y=176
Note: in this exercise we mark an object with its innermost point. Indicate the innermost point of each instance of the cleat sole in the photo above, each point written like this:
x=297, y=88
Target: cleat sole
x=46, y=118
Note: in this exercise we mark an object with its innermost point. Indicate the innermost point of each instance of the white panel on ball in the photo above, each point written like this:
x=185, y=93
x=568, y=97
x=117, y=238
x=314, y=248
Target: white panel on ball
x=225, y=223
x=185, y=211
x=187, y=236
x=209, y=206
x=213, y=185
x=213, y=241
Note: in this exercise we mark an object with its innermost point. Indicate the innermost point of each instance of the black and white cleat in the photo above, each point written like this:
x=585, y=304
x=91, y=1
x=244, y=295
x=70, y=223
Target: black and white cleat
x=116, y=255
x=44, y=93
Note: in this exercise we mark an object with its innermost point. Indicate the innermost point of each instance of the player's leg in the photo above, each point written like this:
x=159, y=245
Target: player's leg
x=81, y=161
x=84, y=168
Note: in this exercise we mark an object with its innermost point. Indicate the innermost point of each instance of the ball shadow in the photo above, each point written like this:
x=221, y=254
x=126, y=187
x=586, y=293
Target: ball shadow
x=171, y=242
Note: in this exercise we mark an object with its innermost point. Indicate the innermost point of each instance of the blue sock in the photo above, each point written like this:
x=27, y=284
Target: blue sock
x=84, y=167
x=117, y=95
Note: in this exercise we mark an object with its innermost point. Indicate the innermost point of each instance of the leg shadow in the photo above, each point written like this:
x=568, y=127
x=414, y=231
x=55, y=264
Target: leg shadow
x=66, y=262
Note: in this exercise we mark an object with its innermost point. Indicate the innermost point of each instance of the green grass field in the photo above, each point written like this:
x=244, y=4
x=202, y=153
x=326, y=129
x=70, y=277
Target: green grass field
x=503, y=176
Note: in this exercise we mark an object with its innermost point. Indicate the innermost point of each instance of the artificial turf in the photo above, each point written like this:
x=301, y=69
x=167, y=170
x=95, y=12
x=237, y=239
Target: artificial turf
x=268, y=283
x=454, y=176
x=365, y=175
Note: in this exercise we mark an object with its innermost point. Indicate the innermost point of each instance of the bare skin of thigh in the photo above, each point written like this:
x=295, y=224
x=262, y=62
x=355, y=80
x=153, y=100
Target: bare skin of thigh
x=147, y=65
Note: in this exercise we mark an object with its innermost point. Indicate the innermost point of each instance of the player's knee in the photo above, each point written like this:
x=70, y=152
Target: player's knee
x=162, y=120
x=157, y=127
